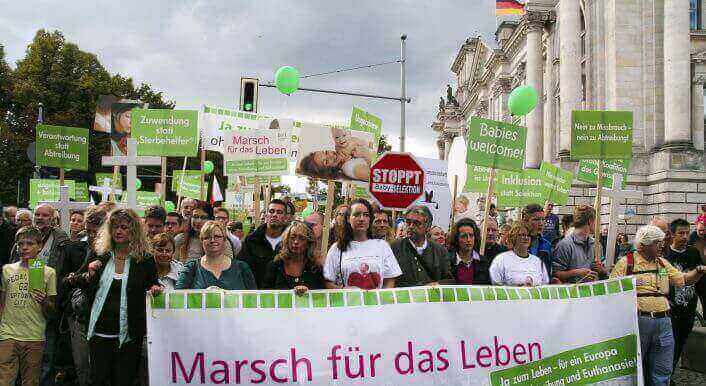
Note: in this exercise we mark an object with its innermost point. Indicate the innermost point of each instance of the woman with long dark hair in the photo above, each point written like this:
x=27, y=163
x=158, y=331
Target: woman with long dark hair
x=356, y=259
x=467, y=266
x=115, y=284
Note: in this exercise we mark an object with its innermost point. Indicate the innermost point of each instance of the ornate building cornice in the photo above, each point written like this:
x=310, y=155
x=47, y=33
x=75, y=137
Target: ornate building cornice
x=501, y=85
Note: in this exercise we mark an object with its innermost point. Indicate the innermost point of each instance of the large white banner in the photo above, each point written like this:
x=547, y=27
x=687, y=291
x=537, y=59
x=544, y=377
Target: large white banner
x=552, y=335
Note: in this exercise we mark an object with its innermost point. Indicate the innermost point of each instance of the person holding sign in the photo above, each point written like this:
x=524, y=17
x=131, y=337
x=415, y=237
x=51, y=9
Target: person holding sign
x=295, y=266
x=574, y=259
x=115, y=285
x=27, y=296
x=358, y=260
x=654, y=277
x=518, y=267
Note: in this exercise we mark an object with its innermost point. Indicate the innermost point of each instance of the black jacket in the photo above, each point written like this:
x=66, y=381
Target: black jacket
x=431, y=266
x=481, y=272
x=142, y=276
x=258, y=253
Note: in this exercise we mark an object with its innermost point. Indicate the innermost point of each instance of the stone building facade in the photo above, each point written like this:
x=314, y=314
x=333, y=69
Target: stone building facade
x=637, y=55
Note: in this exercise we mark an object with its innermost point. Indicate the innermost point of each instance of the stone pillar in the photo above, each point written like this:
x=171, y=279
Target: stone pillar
x=534, y=74
x=441, y=145
x=697, y=110
x=569, y=68
x=448, y=141
x=677, y=73
x=549, y=134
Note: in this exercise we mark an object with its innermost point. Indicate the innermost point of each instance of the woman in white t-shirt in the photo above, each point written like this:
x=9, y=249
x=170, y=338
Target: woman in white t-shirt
x=358, y=260
x=518, y=267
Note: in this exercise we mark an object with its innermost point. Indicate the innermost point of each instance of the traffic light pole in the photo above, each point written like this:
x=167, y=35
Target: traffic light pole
x=402, y=99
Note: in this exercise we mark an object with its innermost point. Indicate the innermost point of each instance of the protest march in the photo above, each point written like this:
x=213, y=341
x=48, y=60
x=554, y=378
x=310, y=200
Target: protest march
x=261, y=236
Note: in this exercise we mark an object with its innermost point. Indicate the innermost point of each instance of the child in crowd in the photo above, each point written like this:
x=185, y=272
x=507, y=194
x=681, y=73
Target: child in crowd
x=27, y=295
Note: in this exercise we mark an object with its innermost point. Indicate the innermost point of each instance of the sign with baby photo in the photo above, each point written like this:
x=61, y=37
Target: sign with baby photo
x=336, y=153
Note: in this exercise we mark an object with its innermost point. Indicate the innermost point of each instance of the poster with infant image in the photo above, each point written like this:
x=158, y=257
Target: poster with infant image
x=335, y=153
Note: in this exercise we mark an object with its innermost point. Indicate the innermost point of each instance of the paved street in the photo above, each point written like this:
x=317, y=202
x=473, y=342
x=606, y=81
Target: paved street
x=688, y=377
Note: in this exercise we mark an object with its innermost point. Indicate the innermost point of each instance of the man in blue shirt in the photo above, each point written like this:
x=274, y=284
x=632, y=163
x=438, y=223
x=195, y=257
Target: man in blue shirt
x=550, y=231
x=533, y=215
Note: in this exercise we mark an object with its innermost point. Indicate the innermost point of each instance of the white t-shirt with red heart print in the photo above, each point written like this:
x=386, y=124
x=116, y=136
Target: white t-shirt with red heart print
x=365, y=264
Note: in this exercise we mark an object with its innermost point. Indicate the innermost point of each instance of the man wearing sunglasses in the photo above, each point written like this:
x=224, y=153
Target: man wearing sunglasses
x=423, y=261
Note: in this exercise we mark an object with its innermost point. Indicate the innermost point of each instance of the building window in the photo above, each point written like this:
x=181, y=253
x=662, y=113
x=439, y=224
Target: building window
x=695, y=14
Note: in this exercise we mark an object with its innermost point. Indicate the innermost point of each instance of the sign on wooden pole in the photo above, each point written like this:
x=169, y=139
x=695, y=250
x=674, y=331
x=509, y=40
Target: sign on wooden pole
x=486, y=211
x=106, y=190
x=327, y=217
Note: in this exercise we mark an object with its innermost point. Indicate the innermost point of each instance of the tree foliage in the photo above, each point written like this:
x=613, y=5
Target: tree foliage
x=67, y=82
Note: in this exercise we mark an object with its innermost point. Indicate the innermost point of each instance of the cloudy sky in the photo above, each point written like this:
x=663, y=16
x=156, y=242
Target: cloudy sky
x=196, y=51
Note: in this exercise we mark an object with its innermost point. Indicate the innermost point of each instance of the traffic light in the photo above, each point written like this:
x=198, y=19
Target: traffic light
x=248, y=94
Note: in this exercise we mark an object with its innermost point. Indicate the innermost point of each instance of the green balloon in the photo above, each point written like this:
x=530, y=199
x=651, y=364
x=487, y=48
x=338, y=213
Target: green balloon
x=208, y=167
x=522, y=100
x=287, y=79
x=138, y=184
x=169, y=206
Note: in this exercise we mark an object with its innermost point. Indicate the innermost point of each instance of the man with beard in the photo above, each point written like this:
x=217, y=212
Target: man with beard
x=682, y=301
x=77, y=255
x=423, y=261
x=52, y=254
x=259, y=247
x=315, y=221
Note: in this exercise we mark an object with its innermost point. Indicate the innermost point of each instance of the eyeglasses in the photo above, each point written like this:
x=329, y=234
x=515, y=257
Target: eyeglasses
x=214, y=237
x=164, y=250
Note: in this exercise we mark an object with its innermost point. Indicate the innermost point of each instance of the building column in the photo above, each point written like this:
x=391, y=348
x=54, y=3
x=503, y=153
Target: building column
x=534, y=75
x=569, y=68
x=677, y=73
x=441, y=146
x=697, y=110
x=547, y=149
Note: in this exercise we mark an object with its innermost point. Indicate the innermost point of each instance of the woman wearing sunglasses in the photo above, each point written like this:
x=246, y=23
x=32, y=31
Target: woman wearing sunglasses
x=295, y=267
x=215, y=268
x=518, y=267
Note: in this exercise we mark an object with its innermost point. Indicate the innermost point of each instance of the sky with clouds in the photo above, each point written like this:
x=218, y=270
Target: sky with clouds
x=196, y=51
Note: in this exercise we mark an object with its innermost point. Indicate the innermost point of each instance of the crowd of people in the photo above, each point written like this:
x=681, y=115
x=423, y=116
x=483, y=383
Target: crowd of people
x=85, y=323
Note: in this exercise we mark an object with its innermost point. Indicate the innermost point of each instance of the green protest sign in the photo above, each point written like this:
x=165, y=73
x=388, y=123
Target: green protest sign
x=257, y=152
x=187, y=183
x=601, y=135
x=556, y=182
x=167, y=133
x=62, y=147
x=145, y=199
x=516, y=189
x=251, y=180
x=81, y=192
x=476, y=179
x=117, y=184
x=47, y=190
x=36, y=274
x=362, y=120
x=495, y=144
x=588, y=171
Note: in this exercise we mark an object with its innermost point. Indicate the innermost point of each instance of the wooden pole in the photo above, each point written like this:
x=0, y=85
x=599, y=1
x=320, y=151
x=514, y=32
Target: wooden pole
x=181, y=182
x=453, y=201
x=597, y=207
x=486, y=211
x=327, y=217
x=268, y=191
x=116, y=173
x=256, y=203
x=61, y=176
x=163, y=179
x=203, y=188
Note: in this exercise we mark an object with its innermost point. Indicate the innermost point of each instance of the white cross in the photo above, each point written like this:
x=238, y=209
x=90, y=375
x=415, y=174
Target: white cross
x=64, y=206
x=616, y=194
x=132, y=161
x=105, y=190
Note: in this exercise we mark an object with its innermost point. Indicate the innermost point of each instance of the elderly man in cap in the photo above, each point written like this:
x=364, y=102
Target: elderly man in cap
x=423, y=261
x=654, y=275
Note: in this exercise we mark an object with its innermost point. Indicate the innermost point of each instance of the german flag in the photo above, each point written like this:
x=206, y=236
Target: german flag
x=509, y=7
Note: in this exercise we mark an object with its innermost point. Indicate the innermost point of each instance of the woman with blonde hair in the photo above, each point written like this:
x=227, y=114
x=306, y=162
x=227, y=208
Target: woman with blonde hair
x=518, y=267
x=295, y=267
x=115, y=285
x=215, y=268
